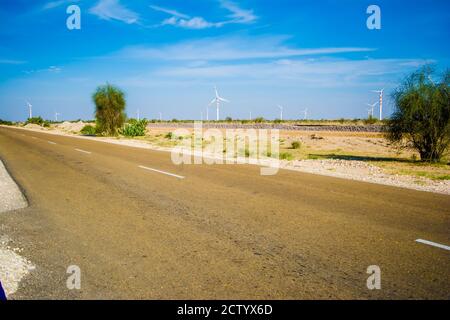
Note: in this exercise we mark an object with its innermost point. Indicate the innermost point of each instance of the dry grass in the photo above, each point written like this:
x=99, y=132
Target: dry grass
x=369, y=147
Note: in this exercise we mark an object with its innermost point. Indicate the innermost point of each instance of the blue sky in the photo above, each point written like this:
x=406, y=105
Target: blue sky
x=167, y=55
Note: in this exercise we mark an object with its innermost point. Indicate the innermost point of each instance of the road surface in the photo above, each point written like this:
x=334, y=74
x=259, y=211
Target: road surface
x=213, y=232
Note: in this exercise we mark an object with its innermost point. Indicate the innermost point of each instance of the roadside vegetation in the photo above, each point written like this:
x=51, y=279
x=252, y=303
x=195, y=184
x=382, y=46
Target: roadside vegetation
x=109, y=109
x=421, y=119
x=38, y=121
x=6, y=123
x=134, y=128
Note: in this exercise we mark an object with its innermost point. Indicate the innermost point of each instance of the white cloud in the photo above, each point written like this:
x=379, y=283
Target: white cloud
x=113, y=10
x=169, y=11
x=9, y=61
x=231, y=48
x=237, y=16
x=55, y=4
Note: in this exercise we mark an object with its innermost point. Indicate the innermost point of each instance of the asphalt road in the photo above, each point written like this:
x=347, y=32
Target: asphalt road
x=221, y=232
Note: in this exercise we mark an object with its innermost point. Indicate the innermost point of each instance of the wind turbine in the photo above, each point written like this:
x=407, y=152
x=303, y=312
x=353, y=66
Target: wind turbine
x=56, y=116
x=207, y=113
x=371, y=107
x=30, y=109
x=250, y=116
x=305, y=113
x=138, y=115
x=217, y=100
x=281, y=111
x=380, y=92
x=160, y=116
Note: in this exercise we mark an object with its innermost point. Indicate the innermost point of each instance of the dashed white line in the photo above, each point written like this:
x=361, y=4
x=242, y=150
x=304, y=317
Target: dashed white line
x=83, y=151
x=51, y=142
x=434, y=244
x=163, y=172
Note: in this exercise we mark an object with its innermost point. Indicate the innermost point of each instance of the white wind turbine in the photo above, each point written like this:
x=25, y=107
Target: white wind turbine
x=160, y=116
x=56, y=116
x=138, y=115
x=30, y=109
x=217, y=100
x=281, y=111
x=305, y=113
x=371, y=108
x=380, y=92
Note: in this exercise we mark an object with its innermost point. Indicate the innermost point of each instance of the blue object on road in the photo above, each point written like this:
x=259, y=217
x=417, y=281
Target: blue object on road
x=2, y=293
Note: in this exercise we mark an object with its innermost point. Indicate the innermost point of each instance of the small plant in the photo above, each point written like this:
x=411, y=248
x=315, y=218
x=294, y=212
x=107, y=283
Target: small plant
x=169, y=135
x=134, y=128
x=39, y=121
x=88, y=130
x=277, y=121
x=295, y=145
x=259, y=120
x=285, y=156
x=228, y=119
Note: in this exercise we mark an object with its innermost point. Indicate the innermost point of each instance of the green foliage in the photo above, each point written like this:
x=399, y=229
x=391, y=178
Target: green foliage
x=286, y=156
x=296, y=144
x=169, y=135
x=370, y=120
x=422, y=115
x=259, y=120
x=5, y=122
x=39, y=121
x=134, y=128
x=88, y=130
x=109, y=109
x=228, y=119
x=277, y=121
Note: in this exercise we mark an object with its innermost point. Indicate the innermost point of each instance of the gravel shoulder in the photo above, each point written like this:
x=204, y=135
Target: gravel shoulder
x=13, y=267
x=11, y=198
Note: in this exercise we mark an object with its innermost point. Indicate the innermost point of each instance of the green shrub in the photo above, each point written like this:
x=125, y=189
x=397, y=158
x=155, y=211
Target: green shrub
x=285, y=156
x=39, y=121
x=169, y=135
x=295, y=145
x=134, y=128
x=5, y=122
x=88, y=130
x=259, y=120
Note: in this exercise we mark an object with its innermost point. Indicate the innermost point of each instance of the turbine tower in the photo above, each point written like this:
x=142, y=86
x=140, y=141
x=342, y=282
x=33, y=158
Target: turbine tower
x=30, y=109
x=56, y=116
x=371, y=107
x=217, y=100
x=380, y=92
x=281, y=112
x=305, y=113
x=138, y=115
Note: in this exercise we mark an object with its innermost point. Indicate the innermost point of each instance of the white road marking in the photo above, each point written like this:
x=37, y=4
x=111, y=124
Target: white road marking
x=83, y=151
x=434, y=244
x=51, y=142
x=163, y=172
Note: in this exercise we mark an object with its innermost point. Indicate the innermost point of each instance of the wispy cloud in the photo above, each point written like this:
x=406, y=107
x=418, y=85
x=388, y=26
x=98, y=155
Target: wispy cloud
x=232, y=48
x=113, y=10
x=169, y=11
x=58, y=3
x=51, y=69
x=237, y=16
x=9, y=61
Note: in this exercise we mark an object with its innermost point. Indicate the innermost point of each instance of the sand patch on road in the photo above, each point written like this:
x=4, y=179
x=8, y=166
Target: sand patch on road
x=13, y=267
x=11, y=198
